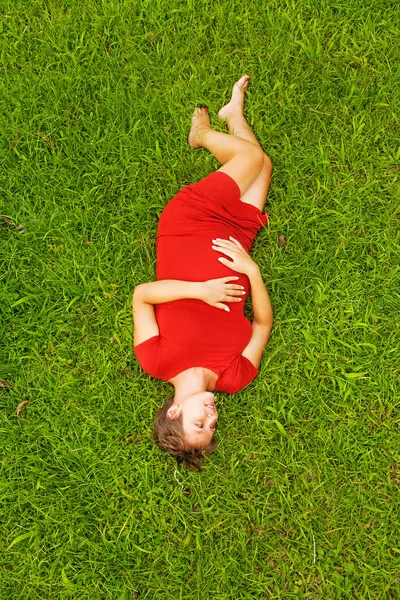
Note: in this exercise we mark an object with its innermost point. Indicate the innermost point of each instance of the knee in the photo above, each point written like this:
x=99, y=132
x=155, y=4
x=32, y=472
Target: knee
x=267, y=165
x=262, y=160
x=258, y=156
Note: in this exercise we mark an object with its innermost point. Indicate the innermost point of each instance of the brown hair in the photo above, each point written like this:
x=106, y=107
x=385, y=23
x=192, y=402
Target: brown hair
x=168, y=434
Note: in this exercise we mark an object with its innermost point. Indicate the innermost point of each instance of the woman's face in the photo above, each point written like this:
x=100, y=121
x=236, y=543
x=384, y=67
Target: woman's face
x=199, y=418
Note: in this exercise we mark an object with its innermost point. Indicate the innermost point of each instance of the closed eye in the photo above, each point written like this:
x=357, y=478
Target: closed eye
x=201, y=426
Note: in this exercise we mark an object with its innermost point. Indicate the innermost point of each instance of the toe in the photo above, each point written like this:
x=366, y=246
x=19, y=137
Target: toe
x=243, y=81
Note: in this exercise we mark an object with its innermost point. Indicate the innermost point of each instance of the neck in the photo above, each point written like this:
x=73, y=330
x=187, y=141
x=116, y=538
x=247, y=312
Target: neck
x=191, y=381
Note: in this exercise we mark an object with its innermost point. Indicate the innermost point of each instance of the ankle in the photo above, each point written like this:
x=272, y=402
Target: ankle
x=201, y=134
x=236, y=118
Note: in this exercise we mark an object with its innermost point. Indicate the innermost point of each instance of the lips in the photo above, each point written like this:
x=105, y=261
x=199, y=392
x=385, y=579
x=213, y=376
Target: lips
x=212, y=406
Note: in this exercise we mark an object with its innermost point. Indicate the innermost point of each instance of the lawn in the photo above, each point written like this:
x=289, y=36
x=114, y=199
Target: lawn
x=301, y=498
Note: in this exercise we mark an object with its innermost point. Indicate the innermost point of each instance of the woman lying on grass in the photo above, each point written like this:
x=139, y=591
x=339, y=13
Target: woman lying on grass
x=190, y=328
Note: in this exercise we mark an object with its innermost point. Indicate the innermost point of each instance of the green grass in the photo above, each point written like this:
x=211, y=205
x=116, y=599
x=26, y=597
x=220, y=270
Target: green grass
x=301, y=499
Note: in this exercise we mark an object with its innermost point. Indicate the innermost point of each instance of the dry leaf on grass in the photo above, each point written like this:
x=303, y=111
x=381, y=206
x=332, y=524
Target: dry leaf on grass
x=282, y=241
x=20, y=407
x=20, y=228
x=46, y=139
x=5, y=384
x=15, y=141
x=7, y=220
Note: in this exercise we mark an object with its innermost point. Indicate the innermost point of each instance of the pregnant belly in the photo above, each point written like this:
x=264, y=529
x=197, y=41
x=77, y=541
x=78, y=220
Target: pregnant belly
x=191, y=258
x=188, y=257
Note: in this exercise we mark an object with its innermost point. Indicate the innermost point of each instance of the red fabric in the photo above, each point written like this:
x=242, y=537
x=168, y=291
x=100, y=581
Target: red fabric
x=192, y=333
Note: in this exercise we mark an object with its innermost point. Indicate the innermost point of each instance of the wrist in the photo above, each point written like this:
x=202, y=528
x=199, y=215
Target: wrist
x=253, y=271
x=199, y=290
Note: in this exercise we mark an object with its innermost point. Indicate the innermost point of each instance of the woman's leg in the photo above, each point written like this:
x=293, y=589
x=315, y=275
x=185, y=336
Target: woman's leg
x=241, y=159
x=232, y=112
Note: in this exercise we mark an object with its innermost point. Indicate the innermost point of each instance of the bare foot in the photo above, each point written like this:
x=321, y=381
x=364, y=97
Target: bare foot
x=236, y=103
x=200, y=124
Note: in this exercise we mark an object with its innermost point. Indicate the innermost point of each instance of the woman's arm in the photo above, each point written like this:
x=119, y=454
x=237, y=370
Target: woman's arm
x=214, y=292
x=166, y=290
x=262, y=309
x=263, y=317
x=156, y=292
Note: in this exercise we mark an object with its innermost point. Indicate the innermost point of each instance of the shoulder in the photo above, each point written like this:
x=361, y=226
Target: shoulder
x=148, y=354
x=236, y=376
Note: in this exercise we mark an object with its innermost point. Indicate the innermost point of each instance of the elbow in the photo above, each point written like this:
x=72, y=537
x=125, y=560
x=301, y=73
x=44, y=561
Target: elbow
x=266, y=323
x=137, y=295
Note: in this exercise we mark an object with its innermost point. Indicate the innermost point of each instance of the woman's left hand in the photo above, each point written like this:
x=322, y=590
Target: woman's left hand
x=217, y=291
x=240, y=260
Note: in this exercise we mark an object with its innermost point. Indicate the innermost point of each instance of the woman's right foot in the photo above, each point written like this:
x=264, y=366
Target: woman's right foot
x=236, y=103
x=200, y=124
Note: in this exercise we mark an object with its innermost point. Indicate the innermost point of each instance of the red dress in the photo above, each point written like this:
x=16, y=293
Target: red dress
x=193, y=333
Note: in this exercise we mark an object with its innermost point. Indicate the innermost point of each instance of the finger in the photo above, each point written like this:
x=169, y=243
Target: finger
x=222, y=306
x=228, y=263
x=223, y=250
x=224, y=243
x=236, y=242
x=232, y=299
x=231, y=278
x=235, y=293
x=232, y=286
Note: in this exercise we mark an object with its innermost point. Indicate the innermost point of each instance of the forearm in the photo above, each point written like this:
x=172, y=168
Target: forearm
x=166, y=290
x=262, y=308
